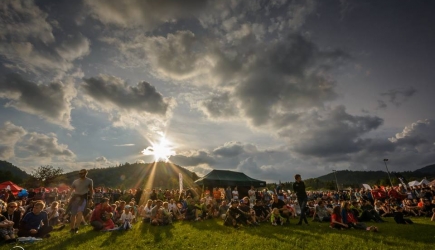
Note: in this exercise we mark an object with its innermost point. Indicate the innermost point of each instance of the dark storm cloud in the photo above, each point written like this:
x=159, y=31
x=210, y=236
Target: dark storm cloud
x=28, y=44
x=337, y=133
x=399, y=96
x=112, y=92
x=230, y=149
x=197, y=158
x=50, y=101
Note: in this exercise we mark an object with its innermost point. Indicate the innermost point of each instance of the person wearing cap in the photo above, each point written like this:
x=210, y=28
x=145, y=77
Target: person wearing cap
x=126, y=218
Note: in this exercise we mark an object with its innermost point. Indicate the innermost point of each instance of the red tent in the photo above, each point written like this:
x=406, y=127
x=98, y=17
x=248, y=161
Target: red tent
x=12, y=186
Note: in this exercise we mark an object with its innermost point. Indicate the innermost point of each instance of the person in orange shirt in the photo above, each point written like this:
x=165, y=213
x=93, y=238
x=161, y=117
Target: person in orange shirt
x=217, y=195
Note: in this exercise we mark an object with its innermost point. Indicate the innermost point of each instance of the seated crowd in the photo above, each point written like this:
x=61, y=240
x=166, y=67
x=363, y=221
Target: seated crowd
x=39, y=213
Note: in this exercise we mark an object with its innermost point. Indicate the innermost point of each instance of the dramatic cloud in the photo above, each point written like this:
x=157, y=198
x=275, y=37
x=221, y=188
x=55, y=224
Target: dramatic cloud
x=28, y=44
x=47, y=146
x=219, y=106
x=114, y=92
x=10, y=134
x=51, y=102
x=21, y=20
x=399, y=96
x=146, y=14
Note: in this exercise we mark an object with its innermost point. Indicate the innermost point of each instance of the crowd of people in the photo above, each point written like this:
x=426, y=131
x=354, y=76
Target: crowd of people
x=38, y=213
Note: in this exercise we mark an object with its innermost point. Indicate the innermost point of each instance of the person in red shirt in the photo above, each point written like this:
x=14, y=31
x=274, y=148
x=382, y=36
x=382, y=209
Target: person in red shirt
x=217, y=195
x=102, y=216
x=336, y=221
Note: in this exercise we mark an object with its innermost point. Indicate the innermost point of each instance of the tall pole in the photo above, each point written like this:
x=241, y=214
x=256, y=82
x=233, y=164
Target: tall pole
x=385, y=161
x=336, y=181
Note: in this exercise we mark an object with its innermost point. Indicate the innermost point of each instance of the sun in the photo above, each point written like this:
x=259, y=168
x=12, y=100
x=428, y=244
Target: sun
x=161, y=151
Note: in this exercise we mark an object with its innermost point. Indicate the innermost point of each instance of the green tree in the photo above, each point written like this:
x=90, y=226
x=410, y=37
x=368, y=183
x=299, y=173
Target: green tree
x=47, y=175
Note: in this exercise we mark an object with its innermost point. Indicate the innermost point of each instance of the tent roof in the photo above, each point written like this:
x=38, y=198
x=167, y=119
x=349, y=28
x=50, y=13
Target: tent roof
x=424, y=181
x=10, y=185
x=413, y=183
x=221, y=178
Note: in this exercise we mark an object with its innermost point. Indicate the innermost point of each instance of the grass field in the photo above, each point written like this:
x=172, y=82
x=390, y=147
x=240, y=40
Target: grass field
x=211, y=234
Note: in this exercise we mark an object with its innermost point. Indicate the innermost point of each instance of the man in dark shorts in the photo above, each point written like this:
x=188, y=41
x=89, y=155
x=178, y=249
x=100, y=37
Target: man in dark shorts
x=299, y=188
x=82, y=187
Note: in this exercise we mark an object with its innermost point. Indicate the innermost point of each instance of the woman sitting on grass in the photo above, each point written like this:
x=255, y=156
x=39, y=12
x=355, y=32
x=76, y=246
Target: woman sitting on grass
x=352, y=222
x=336, y=221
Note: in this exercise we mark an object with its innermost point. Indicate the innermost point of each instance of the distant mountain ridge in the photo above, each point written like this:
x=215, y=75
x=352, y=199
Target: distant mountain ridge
x=427, y=170
x=166, y=175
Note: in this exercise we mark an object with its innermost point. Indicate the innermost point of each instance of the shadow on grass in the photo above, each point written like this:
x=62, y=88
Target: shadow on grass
x=69, y=240
x=157, y=231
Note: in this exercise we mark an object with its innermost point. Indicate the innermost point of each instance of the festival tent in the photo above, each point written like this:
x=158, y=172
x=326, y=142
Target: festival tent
x=413, y=183
x=11, y=186
x=224, y=178
x=424, y=181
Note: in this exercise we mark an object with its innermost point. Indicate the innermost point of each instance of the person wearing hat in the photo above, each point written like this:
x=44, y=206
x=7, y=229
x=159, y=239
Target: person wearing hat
x=126, y=218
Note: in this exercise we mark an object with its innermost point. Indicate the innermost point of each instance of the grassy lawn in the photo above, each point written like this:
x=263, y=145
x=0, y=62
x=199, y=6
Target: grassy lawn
x=211, y=234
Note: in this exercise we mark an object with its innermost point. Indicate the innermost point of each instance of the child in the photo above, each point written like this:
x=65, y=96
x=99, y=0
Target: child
x=398, y=217
x=126, y=218
x=276, y=217
x=7, y=229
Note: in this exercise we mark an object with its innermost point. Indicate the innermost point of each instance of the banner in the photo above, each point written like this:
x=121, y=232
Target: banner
x=367, y=186
x=181, y=181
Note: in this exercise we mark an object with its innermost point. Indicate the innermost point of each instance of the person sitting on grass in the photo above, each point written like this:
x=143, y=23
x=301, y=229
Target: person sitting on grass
x=282, y=207
x=156, y=215
x=233, y=214
x=336, y=221
x=190, y=211
x=322, y=213
x=146, y=211
x=101, y=218
x=398, y=217
x=369, y=213
x=7, y=229
x=352, y=222
x=126, y=218
x=35, y=223
x=261, y=213
x=276, y=218
x=223, y=208
x=167, y=215
x=249, y=215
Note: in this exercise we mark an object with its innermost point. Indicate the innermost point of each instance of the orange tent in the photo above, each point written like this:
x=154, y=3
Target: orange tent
x=11, y=186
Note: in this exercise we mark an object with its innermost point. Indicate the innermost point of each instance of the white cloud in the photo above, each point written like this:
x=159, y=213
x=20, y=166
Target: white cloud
x=10, y=134
x=51, y=101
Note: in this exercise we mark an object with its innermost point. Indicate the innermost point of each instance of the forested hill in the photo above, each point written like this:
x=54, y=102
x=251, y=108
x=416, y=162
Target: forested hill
x=427, y=170
x=9, y=172
x=159, y=175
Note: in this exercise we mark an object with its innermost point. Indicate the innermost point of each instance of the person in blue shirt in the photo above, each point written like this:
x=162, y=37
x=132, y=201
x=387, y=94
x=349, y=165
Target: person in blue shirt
x=35, y=223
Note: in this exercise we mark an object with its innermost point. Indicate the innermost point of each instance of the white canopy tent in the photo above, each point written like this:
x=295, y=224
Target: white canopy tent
x=424, y=181
x=413, y=183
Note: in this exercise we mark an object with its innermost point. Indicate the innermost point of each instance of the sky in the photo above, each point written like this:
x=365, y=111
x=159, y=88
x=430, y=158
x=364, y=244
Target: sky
x=268, y=88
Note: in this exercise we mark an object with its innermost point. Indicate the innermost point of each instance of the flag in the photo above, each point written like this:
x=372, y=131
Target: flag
x=367, y=186
x=181, y=181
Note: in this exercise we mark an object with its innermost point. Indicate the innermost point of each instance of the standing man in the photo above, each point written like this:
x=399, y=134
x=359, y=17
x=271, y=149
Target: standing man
x=299, y=188
x=82, y=187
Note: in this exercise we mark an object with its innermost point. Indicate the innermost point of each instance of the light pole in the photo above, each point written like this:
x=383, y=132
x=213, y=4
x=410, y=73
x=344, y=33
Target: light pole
x=385, y=161
x=336, y=181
